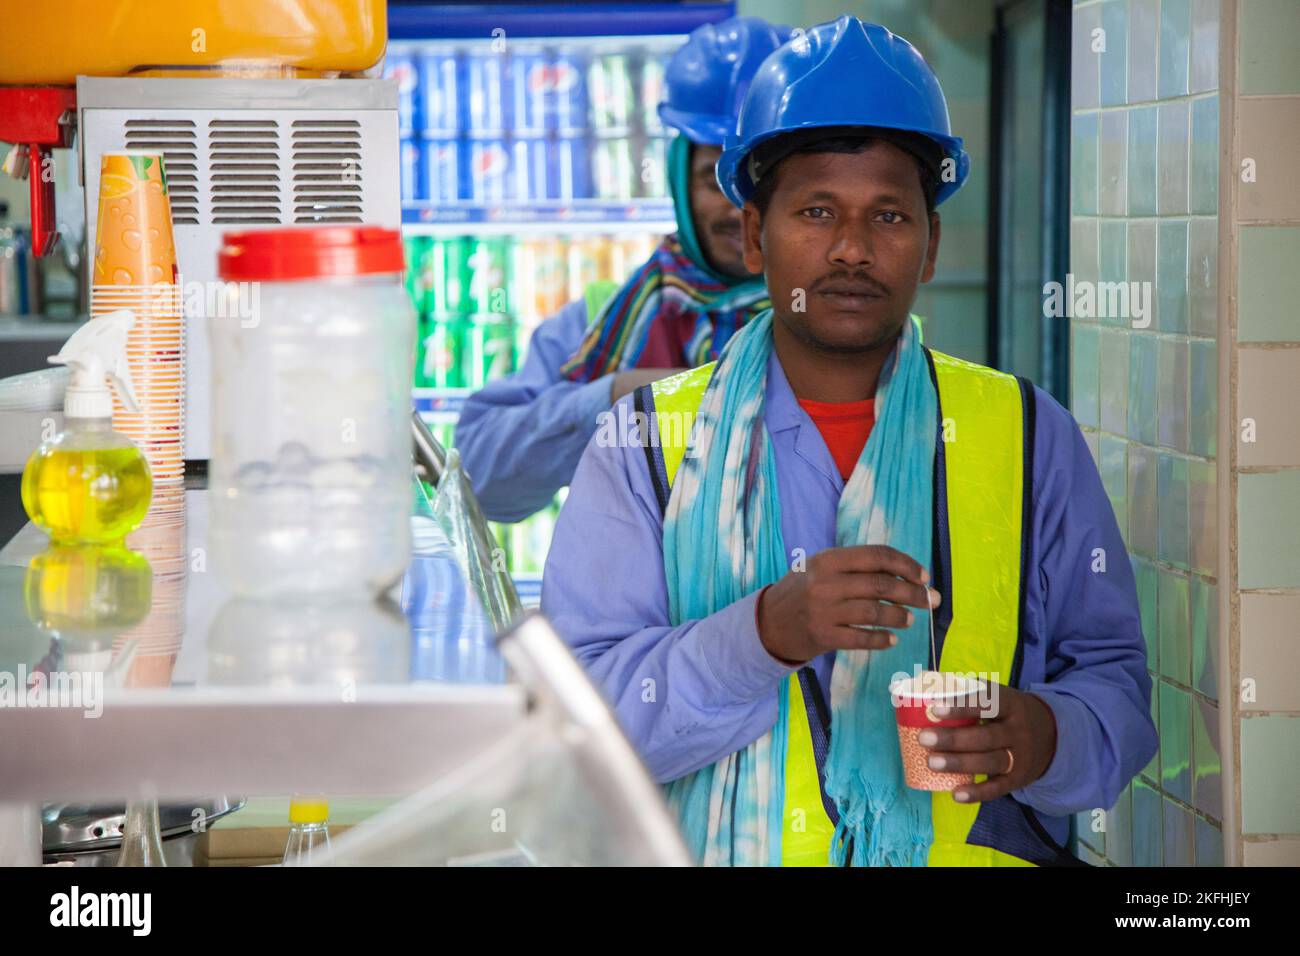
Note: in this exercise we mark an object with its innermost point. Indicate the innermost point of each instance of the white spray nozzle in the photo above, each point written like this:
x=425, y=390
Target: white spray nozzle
x=95, y=352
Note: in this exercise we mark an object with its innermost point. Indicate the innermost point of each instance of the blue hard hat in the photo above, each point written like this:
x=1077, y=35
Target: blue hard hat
x=843, y=73
x=707, y=77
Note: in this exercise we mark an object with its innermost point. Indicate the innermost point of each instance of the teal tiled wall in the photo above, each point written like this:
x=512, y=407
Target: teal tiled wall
x=1144, y=182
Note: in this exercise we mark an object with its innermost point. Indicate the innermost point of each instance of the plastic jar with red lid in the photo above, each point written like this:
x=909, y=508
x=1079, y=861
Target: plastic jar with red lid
x=310, y=471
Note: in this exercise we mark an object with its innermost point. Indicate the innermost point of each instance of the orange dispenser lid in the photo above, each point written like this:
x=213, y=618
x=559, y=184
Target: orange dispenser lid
x=54, y=41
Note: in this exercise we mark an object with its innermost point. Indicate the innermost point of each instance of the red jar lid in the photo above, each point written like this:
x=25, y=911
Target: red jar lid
x=309, y=252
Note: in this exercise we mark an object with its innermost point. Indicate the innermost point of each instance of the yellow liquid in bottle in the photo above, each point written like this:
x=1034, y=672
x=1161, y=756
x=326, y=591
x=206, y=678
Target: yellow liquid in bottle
x=90, y=496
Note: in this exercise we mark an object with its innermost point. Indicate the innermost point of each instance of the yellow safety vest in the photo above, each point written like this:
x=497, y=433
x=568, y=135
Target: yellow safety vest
x=986, y=416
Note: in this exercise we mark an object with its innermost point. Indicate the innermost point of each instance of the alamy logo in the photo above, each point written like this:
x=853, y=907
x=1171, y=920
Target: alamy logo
x=102, y=909
x=68, y=689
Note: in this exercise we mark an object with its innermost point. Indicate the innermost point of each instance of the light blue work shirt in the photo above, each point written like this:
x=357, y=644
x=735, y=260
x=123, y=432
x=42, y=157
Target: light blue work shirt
x=520, y=438
x=715, y=686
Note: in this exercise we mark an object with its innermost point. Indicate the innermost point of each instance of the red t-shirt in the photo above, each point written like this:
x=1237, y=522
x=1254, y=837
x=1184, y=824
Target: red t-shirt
x=845, y=427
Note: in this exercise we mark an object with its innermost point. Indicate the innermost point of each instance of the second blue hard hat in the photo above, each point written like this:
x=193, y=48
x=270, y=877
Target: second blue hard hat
x=843, y=73
x=708, y=76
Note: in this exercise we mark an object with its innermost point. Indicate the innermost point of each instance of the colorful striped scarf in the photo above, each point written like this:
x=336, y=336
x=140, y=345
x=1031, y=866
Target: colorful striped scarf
x=665, y=287
x=722, y=541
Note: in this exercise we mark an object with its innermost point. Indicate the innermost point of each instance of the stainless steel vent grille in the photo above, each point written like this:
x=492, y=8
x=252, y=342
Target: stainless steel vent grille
x=176, y=139
x=244, y=171
x=327, y=183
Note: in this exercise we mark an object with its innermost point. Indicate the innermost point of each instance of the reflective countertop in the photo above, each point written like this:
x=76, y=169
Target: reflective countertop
x=142, y=645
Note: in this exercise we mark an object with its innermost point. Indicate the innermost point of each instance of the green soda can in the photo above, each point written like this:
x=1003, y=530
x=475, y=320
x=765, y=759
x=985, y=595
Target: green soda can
x=489, y=351
x=613, y=174
x=612, y=94
x=417, y=250
x=489, y=290
x=449, y=277
x=441, y=347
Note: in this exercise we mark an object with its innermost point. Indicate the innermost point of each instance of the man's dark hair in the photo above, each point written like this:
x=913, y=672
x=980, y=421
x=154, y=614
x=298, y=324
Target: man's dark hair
x=926, y=153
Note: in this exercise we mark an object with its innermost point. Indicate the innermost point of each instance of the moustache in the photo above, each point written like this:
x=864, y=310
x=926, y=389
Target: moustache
x=858, y=280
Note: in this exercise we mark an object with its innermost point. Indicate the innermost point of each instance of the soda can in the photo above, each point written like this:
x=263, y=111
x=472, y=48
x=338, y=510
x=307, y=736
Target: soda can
x=568, y=168
x=442, y=342
x=566, y=101
x=529, y=79
x=489, y=350
x=442, y=178
x=652, y=168
x=528, y=169
x=418, y=256
x=489, y=261
x=440, y=93
x=653, y=91
x=402, y=68
x=449, y=277
x=486, y=93
x=539, y=285
x=588, y=261
x=488, y=176
x=409, y=153
x=613, y=100
x=613, y=175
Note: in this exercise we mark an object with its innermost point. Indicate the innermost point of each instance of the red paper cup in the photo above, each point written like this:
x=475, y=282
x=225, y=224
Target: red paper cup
x=914, y=700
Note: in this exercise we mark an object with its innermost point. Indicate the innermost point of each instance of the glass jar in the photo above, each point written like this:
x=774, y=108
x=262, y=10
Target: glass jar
x=312, y=357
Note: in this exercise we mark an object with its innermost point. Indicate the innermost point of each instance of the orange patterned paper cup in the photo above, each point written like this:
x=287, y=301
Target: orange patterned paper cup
x=134, y=243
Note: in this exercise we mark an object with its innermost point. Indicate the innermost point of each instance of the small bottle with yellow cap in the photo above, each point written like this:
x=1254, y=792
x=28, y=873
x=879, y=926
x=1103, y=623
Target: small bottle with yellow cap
x=309, y=833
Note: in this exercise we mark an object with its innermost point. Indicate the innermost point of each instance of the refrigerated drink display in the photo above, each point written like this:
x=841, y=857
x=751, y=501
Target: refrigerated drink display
x=531, y=169
x=532, y=122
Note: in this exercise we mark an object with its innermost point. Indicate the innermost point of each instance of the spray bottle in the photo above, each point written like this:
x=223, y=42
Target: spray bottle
x=90, y=484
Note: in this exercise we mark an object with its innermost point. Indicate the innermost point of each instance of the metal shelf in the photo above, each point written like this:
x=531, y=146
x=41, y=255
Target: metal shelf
x=542, y=218
x=177, y=742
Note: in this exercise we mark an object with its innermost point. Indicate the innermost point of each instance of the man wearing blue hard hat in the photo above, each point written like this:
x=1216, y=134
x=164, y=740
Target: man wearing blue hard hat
x=521, y=438
x=745, y=598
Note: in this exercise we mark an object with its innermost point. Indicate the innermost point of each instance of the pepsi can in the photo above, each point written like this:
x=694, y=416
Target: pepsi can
x=566, y=86
x=485, y=89
x=528, y=173
x=441, y=161
x=440, y=93
x=488, y=165
x=402, y=68
x=528, y=82
x=568, y=168
x=409, y=151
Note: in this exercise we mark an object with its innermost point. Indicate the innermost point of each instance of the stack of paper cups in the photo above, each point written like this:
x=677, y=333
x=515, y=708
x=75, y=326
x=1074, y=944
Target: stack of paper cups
x=135, y=268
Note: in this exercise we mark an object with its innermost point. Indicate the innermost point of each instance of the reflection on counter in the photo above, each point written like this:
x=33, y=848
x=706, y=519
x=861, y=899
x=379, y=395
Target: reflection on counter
x=342, y=644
